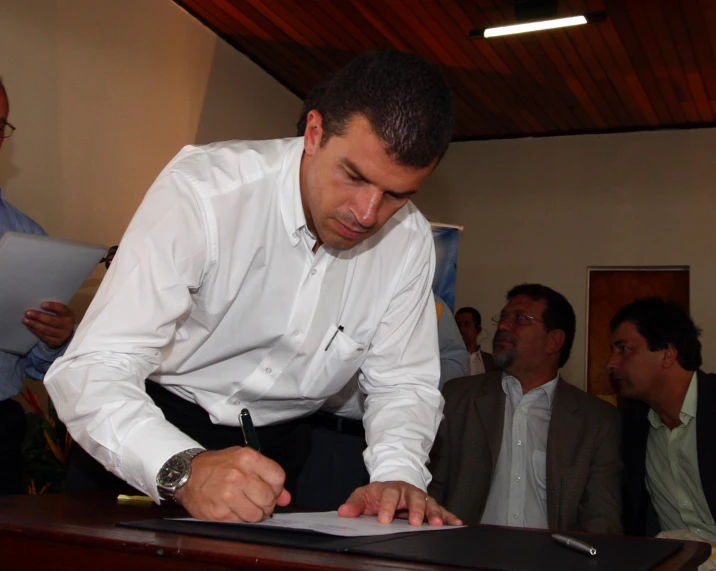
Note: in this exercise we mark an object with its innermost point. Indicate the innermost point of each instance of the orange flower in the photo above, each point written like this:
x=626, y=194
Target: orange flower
x=32, y=400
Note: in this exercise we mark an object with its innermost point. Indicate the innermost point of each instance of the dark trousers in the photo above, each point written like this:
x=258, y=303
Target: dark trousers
x=287, y=443
x=335, y=466
x=12, y=433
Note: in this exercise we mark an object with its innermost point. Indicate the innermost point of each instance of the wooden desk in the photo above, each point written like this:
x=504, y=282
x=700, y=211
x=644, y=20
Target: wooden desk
x=76, y=532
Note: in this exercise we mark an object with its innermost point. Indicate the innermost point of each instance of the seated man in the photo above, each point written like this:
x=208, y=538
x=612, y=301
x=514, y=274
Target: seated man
x=522, y=447
x=469, y=321
x=669, y=420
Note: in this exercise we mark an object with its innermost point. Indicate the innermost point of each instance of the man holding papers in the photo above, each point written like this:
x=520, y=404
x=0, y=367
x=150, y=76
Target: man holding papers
x=53, y=328
x=263, y=275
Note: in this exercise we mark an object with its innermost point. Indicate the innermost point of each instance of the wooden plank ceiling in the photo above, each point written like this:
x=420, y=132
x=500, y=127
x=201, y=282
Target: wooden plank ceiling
x=650, y=65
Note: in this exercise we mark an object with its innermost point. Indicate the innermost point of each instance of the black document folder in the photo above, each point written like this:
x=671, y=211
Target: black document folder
x=501, y=549
x=479, y=547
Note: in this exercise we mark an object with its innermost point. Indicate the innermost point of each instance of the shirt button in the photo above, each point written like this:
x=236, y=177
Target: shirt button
x=295, y=234
x=519, y=443
x=515, y=515
x=313, y=272
x=296, y=332
x=519, y=409
x=268, y=370
x=517, y=479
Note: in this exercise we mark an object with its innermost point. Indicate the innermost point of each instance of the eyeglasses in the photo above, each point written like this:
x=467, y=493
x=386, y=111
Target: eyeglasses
x=6, y=130
x=515, y=319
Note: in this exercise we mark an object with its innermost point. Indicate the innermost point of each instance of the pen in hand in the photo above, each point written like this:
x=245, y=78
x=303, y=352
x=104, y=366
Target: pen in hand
x=247, y=427
x=574, y=544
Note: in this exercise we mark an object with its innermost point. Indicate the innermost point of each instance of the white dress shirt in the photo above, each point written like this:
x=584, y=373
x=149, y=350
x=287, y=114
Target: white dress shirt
x=215, y=293
x=518, y=494
x=477, y=367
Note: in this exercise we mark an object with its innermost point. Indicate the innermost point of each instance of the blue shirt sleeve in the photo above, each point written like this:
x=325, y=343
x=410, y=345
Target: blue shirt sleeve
x=34, y=364
x=454, y=359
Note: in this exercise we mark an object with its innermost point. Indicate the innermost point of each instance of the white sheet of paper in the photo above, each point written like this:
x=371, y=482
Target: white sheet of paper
x=36, y=269
x=332, y=524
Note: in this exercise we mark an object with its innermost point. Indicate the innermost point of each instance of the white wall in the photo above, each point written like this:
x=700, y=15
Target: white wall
x=103, y=93
x=543, y=210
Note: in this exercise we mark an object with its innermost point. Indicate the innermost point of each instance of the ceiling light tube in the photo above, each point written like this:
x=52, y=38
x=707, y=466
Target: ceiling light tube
x=534, y=26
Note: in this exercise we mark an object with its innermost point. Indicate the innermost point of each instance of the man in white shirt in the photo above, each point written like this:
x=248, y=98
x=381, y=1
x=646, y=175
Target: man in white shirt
x=338, y=437
x=524, y=448
x=263, y=275
x=469, y=322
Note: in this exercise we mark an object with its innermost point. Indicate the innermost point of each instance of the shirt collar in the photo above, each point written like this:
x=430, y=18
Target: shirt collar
x=291, y=205
x=548, y=388
x=688, y=407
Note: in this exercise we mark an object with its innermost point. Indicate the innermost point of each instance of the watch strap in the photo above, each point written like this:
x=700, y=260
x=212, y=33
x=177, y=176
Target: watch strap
x=169, y=493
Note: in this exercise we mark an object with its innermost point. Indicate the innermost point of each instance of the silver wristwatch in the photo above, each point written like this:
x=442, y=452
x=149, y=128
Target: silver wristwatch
x=175, y=473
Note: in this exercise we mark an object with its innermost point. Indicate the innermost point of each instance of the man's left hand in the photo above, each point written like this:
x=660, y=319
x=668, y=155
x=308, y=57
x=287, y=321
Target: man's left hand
x=386, y=499
x=55, y=327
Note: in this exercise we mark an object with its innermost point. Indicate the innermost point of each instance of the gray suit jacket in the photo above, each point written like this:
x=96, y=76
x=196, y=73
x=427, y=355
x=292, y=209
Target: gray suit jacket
x=583, y=455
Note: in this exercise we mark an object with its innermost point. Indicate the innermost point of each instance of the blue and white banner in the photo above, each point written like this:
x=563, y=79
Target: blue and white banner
x=446, y=238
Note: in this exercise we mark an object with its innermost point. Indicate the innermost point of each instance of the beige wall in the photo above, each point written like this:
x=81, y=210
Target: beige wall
x=543, y=210
x=103, y=93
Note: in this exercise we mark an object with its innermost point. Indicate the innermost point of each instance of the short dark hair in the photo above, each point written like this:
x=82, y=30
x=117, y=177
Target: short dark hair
x=310, y=103
x=406, y=99
x=662, y=323
x=558, y=313
x=476, y=317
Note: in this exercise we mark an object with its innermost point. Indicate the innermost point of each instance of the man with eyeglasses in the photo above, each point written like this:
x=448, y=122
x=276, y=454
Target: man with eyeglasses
x=54, y=329
x=522, y=447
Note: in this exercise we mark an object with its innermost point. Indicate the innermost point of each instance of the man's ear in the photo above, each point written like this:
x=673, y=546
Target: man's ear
x=314, y=132
x=671, y=356
x=556, y=339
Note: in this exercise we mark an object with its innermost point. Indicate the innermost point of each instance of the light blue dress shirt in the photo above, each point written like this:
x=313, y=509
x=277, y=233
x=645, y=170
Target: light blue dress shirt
x=34, y=364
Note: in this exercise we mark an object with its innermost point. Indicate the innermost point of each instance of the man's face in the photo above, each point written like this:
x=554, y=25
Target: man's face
x=4, y=112
x=521, y=343
x=350, y=187
x=633, y=368
x=468, y=329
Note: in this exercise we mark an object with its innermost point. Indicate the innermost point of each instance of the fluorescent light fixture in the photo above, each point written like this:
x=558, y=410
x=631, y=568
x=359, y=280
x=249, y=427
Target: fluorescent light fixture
x=535, y=26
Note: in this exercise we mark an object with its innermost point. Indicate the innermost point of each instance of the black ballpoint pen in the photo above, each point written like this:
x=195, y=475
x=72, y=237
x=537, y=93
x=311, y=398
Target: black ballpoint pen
x=574, y=544
x=340, y=328
x=247, y=427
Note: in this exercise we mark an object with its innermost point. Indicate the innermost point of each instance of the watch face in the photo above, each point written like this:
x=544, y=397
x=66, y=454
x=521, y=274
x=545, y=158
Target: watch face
x=173, y=471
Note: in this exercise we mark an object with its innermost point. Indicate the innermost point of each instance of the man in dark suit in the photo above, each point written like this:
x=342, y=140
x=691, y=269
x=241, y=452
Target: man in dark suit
x=669, y=420
x=469, y=322
x=522, y=447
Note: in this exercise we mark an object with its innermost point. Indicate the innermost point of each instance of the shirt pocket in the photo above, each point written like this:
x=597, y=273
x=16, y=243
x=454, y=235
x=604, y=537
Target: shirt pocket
x=539, y=467
x=337, y=359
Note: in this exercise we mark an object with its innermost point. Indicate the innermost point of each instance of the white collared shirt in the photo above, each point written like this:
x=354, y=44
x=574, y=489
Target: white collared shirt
x=477, y=366
x=216, y=294
x=672, y=471
x=518, y=494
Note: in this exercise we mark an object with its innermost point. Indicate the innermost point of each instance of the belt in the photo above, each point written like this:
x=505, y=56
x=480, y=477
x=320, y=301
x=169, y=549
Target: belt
x=339, y=424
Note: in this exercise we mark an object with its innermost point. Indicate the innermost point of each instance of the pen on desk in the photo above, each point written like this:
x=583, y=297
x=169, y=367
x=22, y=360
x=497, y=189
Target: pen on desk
x=574, y=544
x=247, y=427
x=340, y=328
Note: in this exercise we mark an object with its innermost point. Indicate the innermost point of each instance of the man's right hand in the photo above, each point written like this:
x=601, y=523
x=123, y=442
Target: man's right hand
x=235, y=484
